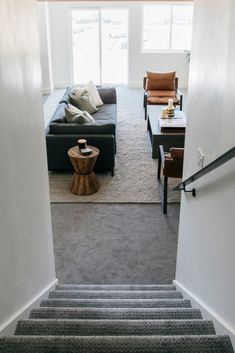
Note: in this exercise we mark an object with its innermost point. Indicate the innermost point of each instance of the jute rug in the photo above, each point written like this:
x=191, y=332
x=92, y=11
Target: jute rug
x=135, y=179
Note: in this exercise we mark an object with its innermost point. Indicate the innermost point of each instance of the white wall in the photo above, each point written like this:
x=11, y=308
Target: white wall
x=138, y=62
x=205, y=260
x=26, y=251
x=45, y=47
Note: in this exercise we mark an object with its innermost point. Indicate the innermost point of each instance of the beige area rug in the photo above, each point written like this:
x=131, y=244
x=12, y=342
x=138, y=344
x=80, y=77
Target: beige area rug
x=135, y=179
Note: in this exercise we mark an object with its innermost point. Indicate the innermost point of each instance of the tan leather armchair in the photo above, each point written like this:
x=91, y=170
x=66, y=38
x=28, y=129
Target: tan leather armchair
x=159, y=87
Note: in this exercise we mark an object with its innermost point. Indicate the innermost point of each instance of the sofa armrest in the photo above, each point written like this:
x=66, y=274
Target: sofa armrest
x=108, y=95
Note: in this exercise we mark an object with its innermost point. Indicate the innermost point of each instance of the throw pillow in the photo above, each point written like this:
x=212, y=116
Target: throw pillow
x=89, y=117
x=71, y=111
x=162, y=81
x=78, y=91
x=94, y=94
x=74, y=115
x=84, y=102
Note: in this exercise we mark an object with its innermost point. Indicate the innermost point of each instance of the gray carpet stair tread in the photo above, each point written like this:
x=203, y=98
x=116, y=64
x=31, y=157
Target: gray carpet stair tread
x=114, y=327
x=115, y=294
x=116, y=313
x=115, y=287
x=117, y=303
x=121, y=344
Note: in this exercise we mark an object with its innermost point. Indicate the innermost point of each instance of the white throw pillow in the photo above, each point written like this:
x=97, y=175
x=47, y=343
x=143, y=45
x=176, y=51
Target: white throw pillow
x=71, y=110
x=75, y=115
x=94, y=94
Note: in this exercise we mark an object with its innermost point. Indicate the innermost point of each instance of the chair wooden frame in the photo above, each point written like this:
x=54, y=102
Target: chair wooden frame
x=175, y=171
x=178, y=94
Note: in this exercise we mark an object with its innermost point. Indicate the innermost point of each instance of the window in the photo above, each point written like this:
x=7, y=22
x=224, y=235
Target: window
x=167, y=27
x=100, y=45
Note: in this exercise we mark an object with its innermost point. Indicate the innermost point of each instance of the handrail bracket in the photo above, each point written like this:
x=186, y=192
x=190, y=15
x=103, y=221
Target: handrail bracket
x=193, y=191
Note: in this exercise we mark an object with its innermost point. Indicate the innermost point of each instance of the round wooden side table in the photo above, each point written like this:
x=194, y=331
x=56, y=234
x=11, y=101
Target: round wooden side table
x=84, y=180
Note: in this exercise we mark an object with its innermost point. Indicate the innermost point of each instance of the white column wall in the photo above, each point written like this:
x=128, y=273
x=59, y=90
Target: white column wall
x=26, y=251
x=45, y=47
x=205, y=260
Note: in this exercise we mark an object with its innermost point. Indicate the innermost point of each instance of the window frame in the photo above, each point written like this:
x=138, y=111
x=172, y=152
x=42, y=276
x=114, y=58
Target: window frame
x=162, y=51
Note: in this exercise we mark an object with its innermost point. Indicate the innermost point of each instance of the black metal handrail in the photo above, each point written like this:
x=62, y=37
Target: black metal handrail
x=225, y=157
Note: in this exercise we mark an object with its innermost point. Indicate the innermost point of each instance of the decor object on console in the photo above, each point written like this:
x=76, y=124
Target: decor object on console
x=61, y=135
x=84, y=179
x=170, y=108
x=159, y=88
x=171, y=164
x=164, y=132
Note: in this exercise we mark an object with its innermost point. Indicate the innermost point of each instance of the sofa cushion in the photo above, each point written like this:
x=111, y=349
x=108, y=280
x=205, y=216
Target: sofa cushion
x=105, y=122
x=106, y=113
x=152, y=93
x=161, y=100
x=59, y=114
x=164, y=81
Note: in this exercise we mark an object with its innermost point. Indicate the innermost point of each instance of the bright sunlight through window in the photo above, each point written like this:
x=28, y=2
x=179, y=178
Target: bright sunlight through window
x=167, y=27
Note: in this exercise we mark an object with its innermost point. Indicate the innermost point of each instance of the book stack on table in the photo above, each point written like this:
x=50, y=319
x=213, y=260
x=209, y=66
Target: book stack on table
x=175, y=124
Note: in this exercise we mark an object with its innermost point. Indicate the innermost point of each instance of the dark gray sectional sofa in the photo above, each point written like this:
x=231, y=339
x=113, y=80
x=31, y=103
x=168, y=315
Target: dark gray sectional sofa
x=60, y=136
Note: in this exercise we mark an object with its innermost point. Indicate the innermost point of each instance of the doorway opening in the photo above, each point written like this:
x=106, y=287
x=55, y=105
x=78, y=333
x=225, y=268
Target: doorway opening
x=100, y=46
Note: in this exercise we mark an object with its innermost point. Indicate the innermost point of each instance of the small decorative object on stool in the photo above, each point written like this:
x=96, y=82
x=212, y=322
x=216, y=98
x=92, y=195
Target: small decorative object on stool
x=82, y=143
x=82, y=147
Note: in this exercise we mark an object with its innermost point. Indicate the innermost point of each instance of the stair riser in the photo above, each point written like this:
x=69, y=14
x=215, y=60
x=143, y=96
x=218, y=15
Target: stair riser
x=115, y=303
x=115, y=314
x=116, y=287
x=116, y=294
x=150, y=344
x=113, y=328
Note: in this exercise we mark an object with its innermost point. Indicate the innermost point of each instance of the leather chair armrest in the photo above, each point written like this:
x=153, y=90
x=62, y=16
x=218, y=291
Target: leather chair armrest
x=179, y=95
x=177, y=153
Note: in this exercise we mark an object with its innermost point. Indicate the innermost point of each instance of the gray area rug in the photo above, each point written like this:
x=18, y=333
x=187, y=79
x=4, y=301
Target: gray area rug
x=135, y=179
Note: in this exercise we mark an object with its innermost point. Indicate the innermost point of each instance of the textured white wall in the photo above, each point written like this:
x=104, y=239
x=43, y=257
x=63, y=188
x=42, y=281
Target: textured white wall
x=206, y=261
x=26, y=251
x=45, y=47
x=138, y=62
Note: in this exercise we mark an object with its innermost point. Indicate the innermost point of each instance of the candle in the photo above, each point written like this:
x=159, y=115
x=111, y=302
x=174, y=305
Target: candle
x=170, y=104
x=82, y=143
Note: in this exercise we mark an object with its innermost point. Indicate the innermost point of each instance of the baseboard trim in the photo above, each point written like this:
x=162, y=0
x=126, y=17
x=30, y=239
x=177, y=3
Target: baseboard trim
x=47, y=90
x=221, y=326
x=8, y=327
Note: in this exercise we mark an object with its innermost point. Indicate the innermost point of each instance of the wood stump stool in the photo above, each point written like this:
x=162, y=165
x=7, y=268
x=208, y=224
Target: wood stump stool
x=84, y=180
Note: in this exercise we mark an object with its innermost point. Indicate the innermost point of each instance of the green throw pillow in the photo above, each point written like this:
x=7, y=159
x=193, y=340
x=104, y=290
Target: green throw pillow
x=83, y=102
x=74, y=115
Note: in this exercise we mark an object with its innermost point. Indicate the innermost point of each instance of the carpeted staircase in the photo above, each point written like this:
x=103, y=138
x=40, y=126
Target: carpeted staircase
x=115, y=319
